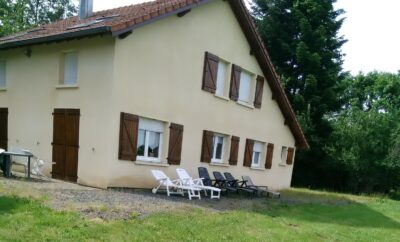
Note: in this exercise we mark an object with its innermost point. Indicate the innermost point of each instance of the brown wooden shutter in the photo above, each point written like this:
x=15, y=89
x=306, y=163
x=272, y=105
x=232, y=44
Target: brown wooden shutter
x=175, y=144
x=233, y=157
x=290, y=156
x=128, y=136
x=235, y=82
x=270, y=155
x=3, y=128
x=210, y=72
x=248, y=153
x=206, y=149
x=259, y=92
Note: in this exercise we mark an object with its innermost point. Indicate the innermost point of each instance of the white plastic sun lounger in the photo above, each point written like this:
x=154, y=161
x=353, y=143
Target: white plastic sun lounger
x=197, y=183
x=175, y=186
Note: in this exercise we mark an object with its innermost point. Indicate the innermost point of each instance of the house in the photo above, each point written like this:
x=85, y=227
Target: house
x=109, y=96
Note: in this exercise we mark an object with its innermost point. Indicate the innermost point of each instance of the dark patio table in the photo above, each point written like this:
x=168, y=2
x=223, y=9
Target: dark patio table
x=8, y=155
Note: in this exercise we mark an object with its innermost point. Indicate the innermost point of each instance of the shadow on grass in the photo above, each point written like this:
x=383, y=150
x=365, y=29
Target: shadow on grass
x=307, y=206
x=330, y=208
x=11, y=204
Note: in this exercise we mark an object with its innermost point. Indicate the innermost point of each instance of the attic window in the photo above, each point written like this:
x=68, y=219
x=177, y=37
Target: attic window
x=96, y=21
x=36, y=30
x=83, y=25
x=108, y=17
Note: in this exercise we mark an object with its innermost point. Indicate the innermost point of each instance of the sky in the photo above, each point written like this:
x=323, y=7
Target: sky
x=371, y=28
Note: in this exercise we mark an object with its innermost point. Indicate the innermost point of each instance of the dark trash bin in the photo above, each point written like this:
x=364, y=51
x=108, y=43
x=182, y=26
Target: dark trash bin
x=5, y=165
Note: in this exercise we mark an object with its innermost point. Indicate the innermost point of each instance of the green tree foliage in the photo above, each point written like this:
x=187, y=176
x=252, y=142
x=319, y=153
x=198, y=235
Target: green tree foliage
x=302, y=39
x=365, y=144
x=18, y=15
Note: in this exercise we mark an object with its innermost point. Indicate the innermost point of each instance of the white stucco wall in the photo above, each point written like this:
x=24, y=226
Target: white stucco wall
x=155, y=72
x=31, y=97
x=158, y=74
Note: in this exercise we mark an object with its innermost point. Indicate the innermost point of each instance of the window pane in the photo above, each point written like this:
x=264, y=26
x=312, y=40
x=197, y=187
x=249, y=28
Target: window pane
x=219, y=146
x=154, y=143
x=141, y=142
x=221, y=78
x=245, y=86
x=70, y=68
x=256, y=158
x=258, y=146
x=2, y=74
x=284, y=154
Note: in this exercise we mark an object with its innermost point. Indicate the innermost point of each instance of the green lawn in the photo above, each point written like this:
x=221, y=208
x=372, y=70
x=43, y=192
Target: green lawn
x=301, y=215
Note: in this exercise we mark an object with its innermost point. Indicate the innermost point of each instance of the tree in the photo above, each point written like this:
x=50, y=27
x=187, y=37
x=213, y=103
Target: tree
x=302, y=39
x=18, y=15
x=365, y=143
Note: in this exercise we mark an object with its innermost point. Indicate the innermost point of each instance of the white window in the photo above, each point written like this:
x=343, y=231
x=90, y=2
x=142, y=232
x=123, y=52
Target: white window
x=245, y=87
x=218, y=148
x=2, y=74
x=222, y=67
x=70, y=68
x=150, y=140
x=284, y=154
x=257, y=153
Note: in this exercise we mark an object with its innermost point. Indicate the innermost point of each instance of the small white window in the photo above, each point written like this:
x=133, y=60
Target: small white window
x=70, y=68
x=150, y=140
x=245, y=87
x=218, y=148
x=257, y=151
x=2, y=74
x=222, y=67
x=284, y=154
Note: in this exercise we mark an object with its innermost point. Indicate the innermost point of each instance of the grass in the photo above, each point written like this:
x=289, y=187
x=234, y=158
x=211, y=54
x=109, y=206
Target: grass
x=301, y=215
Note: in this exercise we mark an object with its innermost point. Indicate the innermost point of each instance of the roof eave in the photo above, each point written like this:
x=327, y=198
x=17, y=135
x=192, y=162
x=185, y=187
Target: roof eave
x=55, y=38
x=195, y=3
x=265, y=62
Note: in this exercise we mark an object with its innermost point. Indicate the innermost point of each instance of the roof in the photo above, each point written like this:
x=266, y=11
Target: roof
x=123, y=20
x=114, y=21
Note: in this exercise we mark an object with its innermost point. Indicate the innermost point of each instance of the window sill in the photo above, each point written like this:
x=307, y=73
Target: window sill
x=3, y=89
x=149, y=163
x=222, y=97
x=219, y=164
x=282, y=164
x=247, y=105
x=67, y=87
x=258, y=168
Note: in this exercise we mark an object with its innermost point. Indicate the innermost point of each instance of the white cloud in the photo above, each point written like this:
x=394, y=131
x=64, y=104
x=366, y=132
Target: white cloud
x=373, y=35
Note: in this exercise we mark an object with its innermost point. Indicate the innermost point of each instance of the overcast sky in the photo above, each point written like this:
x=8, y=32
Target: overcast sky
x=371, y=28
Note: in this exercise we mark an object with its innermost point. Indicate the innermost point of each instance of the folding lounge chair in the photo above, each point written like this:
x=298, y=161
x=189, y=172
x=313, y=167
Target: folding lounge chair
x=240, y=185
x=222, y=183
x=203, y=174
x=249, y=183
x=174, y=187
x=187, y=180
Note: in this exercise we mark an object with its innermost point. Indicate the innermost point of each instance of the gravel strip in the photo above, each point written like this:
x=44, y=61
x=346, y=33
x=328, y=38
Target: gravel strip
x=112, y=204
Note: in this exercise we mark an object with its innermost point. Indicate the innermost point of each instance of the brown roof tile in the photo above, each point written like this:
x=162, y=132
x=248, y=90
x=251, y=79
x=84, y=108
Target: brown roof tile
x=111, y=20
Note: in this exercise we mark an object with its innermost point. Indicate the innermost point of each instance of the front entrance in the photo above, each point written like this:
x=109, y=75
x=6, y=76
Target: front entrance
x=3, y=128
x=65, y=144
